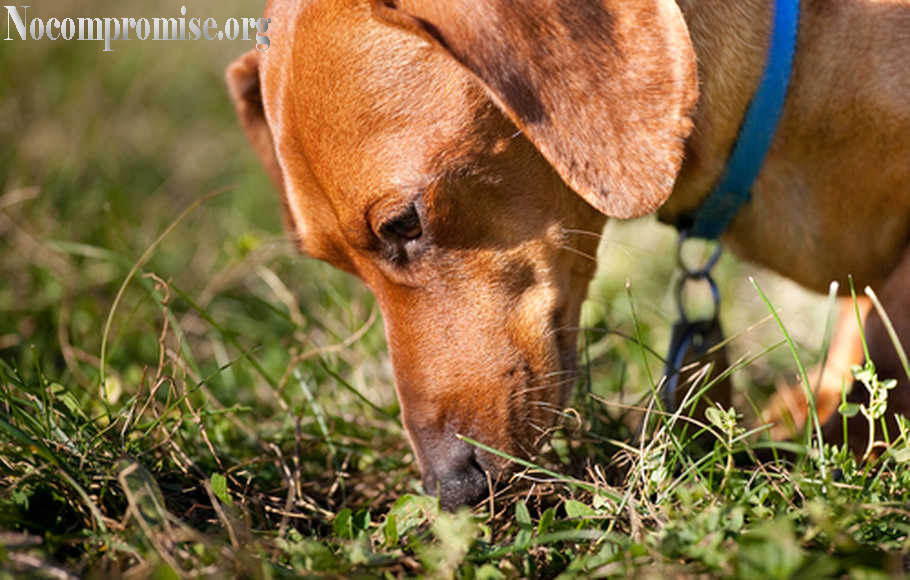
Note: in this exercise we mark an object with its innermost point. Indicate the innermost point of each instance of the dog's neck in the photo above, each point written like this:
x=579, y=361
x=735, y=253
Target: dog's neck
x=730, y=38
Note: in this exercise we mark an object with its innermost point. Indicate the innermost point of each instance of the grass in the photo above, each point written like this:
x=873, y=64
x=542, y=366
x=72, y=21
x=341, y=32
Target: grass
x=190, y=397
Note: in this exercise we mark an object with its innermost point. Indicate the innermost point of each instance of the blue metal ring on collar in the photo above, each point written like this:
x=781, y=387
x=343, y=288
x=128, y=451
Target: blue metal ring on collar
x=706, y=268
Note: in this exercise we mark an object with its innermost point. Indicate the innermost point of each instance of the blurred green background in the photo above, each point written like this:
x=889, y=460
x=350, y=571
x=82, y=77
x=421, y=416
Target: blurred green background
x=99, y=153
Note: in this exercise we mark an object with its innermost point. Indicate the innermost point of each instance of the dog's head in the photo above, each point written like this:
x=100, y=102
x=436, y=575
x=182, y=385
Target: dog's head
x=460, y=157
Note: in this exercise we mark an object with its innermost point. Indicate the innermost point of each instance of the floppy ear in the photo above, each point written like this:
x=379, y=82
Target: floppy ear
x=243, y=85
x=603, y=88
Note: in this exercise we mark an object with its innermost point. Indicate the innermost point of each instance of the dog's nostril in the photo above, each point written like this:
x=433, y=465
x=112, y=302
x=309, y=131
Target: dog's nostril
x=463, y=482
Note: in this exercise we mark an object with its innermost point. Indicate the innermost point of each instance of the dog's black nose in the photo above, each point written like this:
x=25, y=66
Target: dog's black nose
x=459, y=479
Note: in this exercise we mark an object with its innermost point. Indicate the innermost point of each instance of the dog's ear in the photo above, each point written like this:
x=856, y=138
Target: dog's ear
x=243, y=85
x=603, y=88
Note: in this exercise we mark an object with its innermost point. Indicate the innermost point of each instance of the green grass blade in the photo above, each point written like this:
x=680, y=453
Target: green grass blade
x=892, y=334
x=146, y=255
x=810, y=396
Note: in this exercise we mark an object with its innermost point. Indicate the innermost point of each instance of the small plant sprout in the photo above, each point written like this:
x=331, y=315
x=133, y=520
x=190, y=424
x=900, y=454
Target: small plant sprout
x=727, y=421
x=878, y=398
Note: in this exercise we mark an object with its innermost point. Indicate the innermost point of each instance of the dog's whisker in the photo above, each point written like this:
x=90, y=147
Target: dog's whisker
x=595, y=235
x=528, y=390
x=551, y=386
x=543, y=387
x=551, y=375
x=548, y=383
x=554, y=374
x=557, y=373
x=537, y=427
x=547, y=406
x=566, y=380
x=578, y=252
x=573, y=328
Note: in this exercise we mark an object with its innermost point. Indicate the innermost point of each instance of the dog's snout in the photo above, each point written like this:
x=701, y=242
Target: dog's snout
x=456, y=476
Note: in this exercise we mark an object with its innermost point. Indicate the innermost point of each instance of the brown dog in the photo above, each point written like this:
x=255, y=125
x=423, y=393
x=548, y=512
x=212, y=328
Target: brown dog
x=448, y=152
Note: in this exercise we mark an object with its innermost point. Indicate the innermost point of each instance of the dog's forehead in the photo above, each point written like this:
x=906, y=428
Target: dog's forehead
x=373, y=105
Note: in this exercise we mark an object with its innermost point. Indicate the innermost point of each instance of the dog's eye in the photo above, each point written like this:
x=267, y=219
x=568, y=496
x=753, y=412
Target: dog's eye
x=403, y=227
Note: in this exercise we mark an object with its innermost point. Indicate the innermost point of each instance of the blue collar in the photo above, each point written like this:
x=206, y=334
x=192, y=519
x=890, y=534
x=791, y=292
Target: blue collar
x=733, y=189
